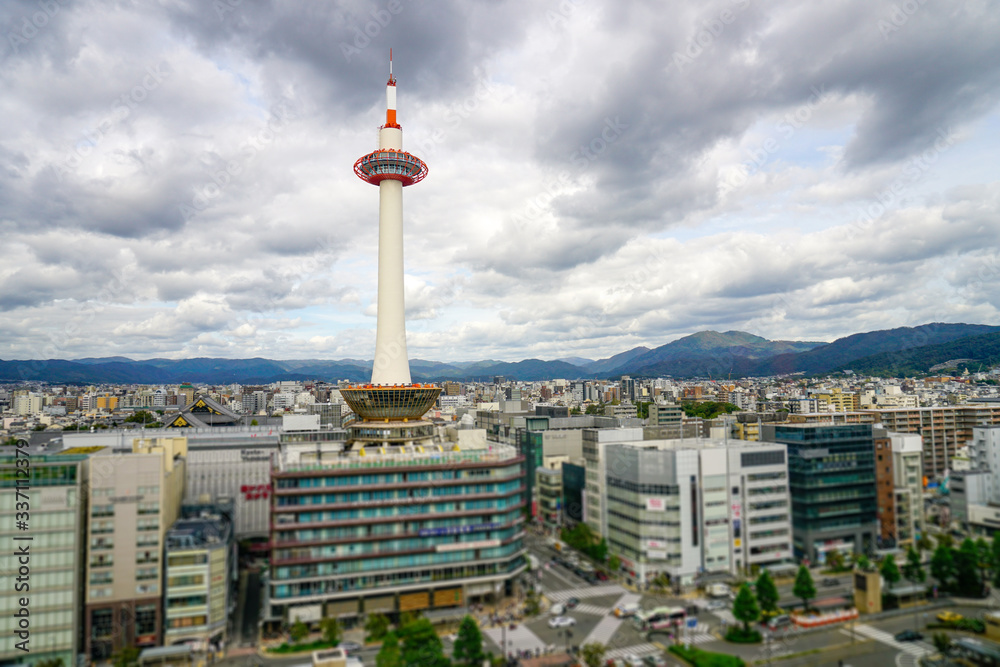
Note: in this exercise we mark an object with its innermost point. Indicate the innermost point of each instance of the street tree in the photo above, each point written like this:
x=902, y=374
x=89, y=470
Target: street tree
x=804, y=587
x=468, y=648
x=913, y=569
x=331, y=630
x=890, y=571
x=376, y=627
x=745, y=607
x=767, y=592
x=593, y=654
x=389, y=655
x=421, y=645
x=943, y=566
x=967, y=578
x=298, y=631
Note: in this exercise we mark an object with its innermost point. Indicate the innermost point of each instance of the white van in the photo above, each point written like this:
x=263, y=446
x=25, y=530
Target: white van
x=558, y=609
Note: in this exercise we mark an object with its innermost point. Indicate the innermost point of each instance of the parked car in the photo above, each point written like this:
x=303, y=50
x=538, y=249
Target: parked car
x=779, y=621
x=949, y=617
x=632, y=660
x=655, y=661
x=572, y=602
x=558, y=609
x=601, y=576
x=908, y=636
x=716, y=605
x=561, y=622
x=350, y=648
x=830, y=581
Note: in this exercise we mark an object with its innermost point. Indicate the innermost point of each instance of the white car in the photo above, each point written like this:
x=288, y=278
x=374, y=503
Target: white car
x=561, y=622
x=634, y=661
x=558, y=609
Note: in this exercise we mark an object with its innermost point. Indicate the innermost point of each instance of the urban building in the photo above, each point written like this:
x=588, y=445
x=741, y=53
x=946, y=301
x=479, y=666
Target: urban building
x=55, y=485
x=907, y=467
x=885, y=489
x=574, y=480
x=831, y=470
x=134, y=496
x=689, y=507
x=549, y=484
x=661, y=414
x=200, y=577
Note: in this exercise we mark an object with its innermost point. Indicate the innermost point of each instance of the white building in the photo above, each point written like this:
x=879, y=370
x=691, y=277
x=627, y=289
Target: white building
x=907, y=468
x=683, y=507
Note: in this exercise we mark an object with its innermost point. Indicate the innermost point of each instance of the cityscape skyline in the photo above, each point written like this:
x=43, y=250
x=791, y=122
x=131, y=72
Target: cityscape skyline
x=179, y=179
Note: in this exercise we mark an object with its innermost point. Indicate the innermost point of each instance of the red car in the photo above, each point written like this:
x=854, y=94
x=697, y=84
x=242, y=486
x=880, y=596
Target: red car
x=601, y=576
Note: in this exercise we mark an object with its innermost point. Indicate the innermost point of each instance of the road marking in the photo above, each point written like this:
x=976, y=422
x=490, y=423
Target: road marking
x=915, y=649
x=638, y=650
x=603, y=631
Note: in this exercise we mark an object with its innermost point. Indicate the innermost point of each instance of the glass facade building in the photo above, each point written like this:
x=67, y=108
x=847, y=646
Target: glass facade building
x=831, y=471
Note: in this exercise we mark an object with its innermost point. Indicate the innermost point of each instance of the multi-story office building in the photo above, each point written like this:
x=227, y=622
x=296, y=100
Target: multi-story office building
x=54, y=487
x=944, y=429
x=595, y=441
x=885, y=489
x=393, y=529
x=134, y=496
x=689, y=507
x=574, y=481
x=199, y=581
x=831, y=472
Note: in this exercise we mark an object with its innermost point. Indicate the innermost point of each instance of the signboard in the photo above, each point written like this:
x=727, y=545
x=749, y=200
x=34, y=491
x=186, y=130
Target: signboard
x=692, y=623
x=656, y=505
x=656, y=544
x=656, y=555
x=309, y=613
x=461, y=546
x=736, y=508
x=457, y=530
x=255, y=491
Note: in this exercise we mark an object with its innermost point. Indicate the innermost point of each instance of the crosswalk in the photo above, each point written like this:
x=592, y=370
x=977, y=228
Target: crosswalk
x=603, y=631
x=638, y=650
x=587, y=592
x=590, y=609
x=915, y=649
x=520, y=638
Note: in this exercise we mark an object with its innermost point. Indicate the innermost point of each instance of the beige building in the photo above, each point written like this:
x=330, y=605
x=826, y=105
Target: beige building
x=134, y=497
x=908, y=480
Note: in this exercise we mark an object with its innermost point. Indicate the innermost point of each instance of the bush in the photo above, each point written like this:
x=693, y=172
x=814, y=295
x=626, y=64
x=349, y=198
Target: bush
x=737, y=635
x=965, y=625
x=700, y=658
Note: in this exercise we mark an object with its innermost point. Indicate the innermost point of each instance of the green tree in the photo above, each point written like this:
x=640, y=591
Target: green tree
x=532, y=604
x=984, y=559
x=835, y=561
x=593, y=653
x=140, y=417
x=389, y=655
x=767, y=592
x=862, y=562
x=468, y=648
x=599, y=551
x=298, y=631
x=421, y=645
x=995, y=558
x=913, y=569
x=890, y=571
x=253, y=422
x=924, y=543
x=614, y=563
x=40, y=427
x=943, y=566
x=941, y=642
x=126, y=657
x=745, y=607
x=376, y=627
x=804, y=587
x=967, y=578
x=945, y=540
x=331, y=630
x=51, y=662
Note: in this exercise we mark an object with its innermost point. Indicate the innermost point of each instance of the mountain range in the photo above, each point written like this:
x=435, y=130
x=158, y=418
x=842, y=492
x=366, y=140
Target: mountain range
x=718, y=355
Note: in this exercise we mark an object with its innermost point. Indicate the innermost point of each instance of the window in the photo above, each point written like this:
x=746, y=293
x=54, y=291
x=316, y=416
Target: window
x=145, y=619
x=767, y=458
x=101, y=623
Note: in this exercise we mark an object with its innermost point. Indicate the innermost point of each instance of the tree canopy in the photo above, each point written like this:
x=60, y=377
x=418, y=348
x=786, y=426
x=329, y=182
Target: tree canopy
x=767, y=592
x=745, y=607
x=468, y=649
x=804, y=587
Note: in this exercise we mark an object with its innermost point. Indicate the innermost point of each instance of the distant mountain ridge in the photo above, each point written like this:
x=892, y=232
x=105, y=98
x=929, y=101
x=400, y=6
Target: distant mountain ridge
x=704, y=354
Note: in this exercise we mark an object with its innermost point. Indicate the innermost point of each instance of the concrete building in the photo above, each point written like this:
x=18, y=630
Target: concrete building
x=134, y=496
x=54, y=485
x=200, y=577
x=832, y=478
x=595, y=441
x=550, y=491
x=907, y=467
x=661, y=414
x=683, y=508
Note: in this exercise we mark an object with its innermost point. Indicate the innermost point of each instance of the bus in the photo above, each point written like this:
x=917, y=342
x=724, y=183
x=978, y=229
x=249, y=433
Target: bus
x=661, y=618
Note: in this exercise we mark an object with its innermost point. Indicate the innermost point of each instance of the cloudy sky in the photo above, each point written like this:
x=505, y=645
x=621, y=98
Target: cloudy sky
x=176, y=176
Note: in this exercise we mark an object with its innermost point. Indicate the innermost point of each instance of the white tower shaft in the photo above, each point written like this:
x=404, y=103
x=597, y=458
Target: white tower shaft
x=392, y=365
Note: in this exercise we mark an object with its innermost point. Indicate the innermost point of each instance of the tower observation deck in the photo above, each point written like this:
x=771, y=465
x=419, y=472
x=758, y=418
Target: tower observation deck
x=391, y=396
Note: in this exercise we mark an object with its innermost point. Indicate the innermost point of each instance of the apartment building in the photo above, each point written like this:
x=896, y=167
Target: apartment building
x=907, y=467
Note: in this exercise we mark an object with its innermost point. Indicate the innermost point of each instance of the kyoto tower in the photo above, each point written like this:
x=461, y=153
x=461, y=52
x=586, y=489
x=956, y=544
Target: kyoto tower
x=391, y=396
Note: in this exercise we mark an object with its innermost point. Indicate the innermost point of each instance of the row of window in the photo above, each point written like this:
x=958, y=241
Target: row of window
x=395, y=562
x=388, y=546
x=378, y=529
x=408, y=510
x=397, y=477
x=102, y=622
x=396, y=494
